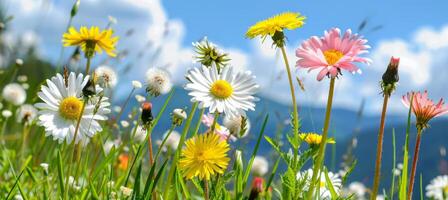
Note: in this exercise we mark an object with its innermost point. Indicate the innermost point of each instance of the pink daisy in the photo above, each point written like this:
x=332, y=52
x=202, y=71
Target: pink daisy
x=223, y=132
x=332, y=53
x=424, y=108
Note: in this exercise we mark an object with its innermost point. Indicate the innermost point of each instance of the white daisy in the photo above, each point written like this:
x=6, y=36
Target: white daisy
x=229, y=92
x=26, y=113
x=106, y=76
x=260, y=166
x=14, y=93
x=140, y=98
x=234, y=125
x=63, y=105
x=158, y=81
x=438, y=188
x=324, y=188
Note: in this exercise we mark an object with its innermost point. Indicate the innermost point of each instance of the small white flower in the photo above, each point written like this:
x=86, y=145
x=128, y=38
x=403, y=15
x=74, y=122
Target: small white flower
x=140, y=98
x=25, y=86
x=180, y=113
x=358, y=189
x=112, y=19
x=396, y=172
x=127, y=192
x=239, y=158
x=108, y=145
x=14, y=93
x=110, y=184
x=26, y=113
x=19, y=62
x=124, y=123
x=18, y=197
x=106, y=76
x=62, y=105
x=380, y=197
x=22, y=78
x=438, y=188
x=226, y=92
x=117, y=109
x=260, y=166
x=137, y=84
x=158, y=81
x=234, y=125
x=173, y=140
x=6, y=113
x=44, y=167
x=324, y=191
x=140, y=134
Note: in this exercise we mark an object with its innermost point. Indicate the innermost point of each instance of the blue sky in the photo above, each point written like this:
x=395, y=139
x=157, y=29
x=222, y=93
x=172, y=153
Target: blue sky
x=414, y=30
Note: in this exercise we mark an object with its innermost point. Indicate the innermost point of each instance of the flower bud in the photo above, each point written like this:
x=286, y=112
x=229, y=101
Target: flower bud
x=239, y=159
x=89, y=89
x=75, y=8
x=257, y=188
x=146, y=116
x=178, y=116
x=391, y=74
x=390, y=77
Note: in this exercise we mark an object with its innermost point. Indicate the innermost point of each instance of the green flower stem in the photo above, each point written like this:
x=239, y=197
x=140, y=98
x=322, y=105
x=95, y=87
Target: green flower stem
x=379, y=151
x=198, y=123
x=293, y=99
x=321, y=154
x=178, y=150
x=205, y=189
x=151, y=159
x=88, y=65
x=163, y=142
x=414, y=163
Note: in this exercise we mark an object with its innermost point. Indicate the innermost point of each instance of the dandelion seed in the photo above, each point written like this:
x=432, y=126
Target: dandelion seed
x=105, y=76
x=260, y=166
x=173, y=140
x=26, y=114
x=178, y=116
x=124, y=123
x=158, y=81
x=14, y=94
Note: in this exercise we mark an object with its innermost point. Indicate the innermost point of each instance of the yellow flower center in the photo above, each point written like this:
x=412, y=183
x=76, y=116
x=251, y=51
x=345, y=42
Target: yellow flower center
x=445, y=189
x=332, y=56
x=70, y=108
x=322, y=184
x=221, y=89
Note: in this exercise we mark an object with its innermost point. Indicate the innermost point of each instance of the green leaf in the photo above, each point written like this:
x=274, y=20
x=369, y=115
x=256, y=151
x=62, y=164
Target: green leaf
x=60, y=172
x=333, y=193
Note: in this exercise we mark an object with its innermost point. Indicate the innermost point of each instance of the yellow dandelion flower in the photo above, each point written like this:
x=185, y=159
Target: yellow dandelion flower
x=91, y=40
x=204, y=155
x=277, y=23
x=314, y=138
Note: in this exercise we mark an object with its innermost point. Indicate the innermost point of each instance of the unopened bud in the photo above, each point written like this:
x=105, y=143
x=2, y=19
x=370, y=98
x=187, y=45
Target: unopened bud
x=19, y=62
x=239, y=159
x=391, y=74
x=146, y=113
x=257, y=188
x=178, y=116
x=89, y=89
x=75, y=8
x=390, y=77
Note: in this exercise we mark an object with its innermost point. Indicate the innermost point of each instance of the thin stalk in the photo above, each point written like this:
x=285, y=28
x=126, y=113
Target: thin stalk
x=178, y=150
x=151, y=159
x=205, y=189
x=163, y=142
x=198, y=124
x=124, y=105
x=321, y=154
x=379, y=150
x=88, y=65
x=293, y=99
x=26, y=130
x=414, y=163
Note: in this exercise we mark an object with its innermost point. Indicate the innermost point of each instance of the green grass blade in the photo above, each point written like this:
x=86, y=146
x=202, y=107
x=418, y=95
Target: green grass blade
x=333, y=193
x=254, y=153
x=60, y=173
x=271, y=178
x=394, y=164
x=136, y=190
